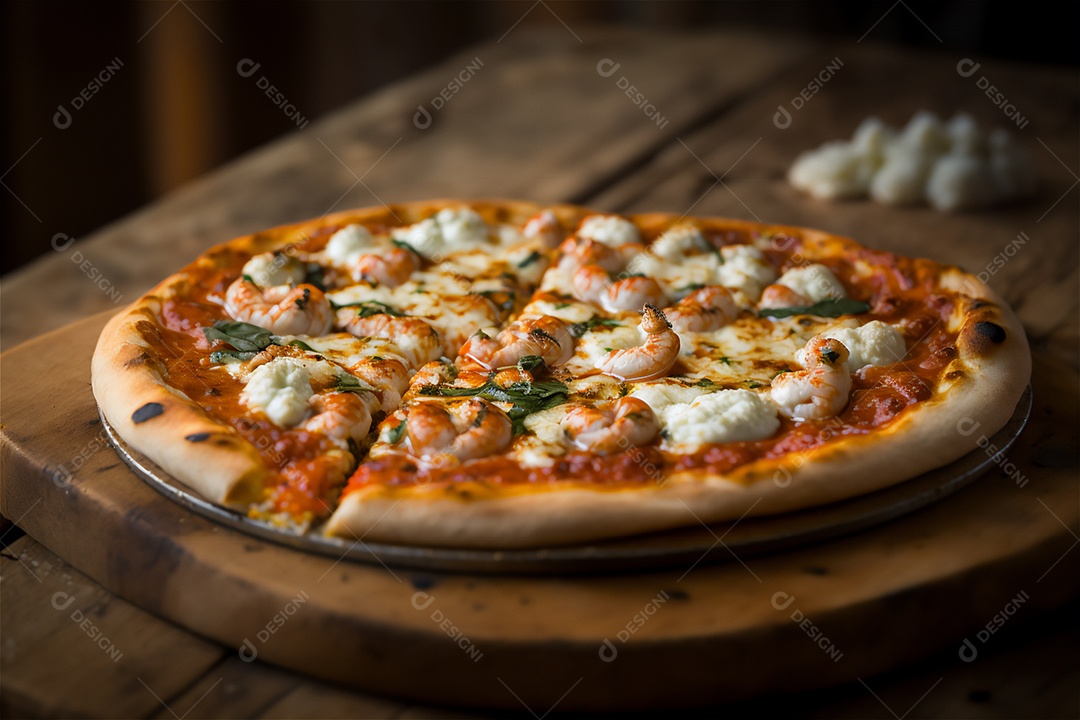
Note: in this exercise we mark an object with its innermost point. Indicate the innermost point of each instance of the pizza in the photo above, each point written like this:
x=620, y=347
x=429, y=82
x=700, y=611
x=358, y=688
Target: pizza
x=500, y=374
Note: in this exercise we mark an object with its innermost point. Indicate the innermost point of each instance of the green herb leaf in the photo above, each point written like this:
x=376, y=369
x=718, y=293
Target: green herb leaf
x=525, y=398
x=824, y=308
x=367, y=308
x=240, y=335
x=248, y=279
x=530, y=362
x=349, y=383
x=296, y=343
x=227, y=356
x=314, y=275
x=394, y=434
x=579, y=329
x=532, y=257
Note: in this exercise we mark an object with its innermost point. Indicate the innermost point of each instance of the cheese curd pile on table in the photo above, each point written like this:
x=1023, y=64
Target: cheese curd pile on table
x=951, y=166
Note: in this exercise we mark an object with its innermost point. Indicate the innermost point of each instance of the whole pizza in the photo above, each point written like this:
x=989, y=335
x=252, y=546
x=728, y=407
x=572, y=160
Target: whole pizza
x=501, y=374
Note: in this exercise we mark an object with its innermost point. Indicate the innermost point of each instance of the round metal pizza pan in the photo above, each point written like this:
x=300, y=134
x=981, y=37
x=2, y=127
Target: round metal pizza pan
x=674, y=548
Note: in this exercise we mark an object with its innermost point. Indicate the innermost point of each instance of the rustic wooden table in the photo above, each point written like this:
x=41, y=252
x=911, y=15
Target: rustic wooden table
x=550, y=116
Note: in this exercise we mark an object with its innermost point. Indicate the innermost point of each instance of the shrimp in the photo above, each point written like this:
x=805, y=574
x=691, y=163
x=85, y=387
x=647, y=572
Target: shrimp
x=612, y=426
x=544, y=226
x=546, y=337
x=390, y=269
x=415, y=338
x=631, y=293
x=579, y=252
x=704, y=310
x=819, y=391
x=387, y=375
x=340, y=416
x=781, y=296
x=464, y=429
x=649, y=360
x=592, y=283
x=281, y=309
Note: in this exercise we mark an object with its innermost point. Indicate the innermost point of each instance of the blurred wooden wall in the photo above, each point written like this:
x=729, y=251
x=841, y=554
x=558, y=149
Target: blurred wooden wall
x=176, y=107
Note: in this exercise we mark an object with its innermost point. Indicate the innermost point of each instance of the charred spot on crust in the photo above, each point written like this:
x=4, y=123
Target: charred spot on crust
x=146, y=412
x=140, y=359
x=197, y=437
x=991, y=331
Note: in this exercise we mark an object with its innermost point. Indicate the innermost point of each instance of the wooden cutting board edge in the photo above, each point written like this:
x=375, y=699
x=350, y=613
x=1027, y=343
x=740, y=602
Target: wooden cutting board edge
x=169, y=562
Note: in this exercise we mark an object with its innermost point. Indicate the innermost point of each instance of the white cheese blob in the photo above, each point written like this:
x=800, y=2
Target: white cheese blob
x=609, y=229
x=875, y=343
x=719, y=417
x=449, y=230
x=678, y=242
x=280, y=389
x=270, y=269
x=461, y=226
x=660, y=395
x=814, y=282
x=953, y=166
x=348, y=244
x=745, y=269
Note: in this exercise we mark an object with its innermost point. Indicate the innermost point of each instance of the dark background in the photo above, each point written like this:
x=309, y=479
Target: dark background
x=177, y=107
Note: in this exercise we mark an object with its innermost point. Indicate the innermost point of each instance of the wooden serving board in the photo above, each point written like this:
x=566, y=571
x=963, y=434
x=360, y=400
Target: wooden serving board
x=707, y=633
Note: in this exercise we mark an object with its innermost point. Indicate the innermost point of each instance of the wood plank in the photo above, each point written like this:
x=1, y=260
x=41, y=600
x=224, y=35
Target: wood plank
x=752, y=155
x=72, y=648
x=534, y=119
x=935, y=579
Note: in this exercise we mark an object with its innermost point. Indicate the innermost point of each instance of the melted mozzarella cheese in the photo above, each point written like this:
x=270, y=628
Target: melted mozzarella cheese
x=678, y=242
x=347, y=245
x=875, y=343
x=814, y=282
x=746, y=269
x=662, y=394
x=609, y=229
x=280, y=389
x=449, y=230
x=722, y=416
x=274, y=268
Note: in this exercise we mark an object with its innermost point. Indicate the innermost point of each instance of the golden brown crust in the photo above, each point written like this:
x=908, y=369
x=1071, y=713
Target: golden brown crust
x=170, y=429
x=979, y=389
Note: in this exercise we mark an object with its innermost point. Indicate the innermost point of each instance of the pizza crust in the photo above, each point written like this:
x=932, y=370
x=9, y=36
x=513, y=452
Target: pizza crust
x=991, y=371
x=933, y=433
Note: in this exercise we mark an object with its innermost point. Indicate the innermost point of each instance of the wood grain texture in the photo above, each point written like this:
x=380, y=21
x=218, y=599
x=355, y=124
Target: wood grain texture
x=509, y=132
x=936, y=580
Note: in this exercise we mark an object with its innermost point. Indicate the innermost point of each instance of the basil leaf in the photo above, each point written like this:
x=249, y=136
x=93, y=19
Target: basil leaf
x=532, y=257
x=525, y=398
x=824, y=308
x=367, y=308
x=396, y=433
x=530, y=362
x=314, y=275
x=226, y=356
x=349, y=383
x=296, y=343
x=579, y=329
x=240, y=335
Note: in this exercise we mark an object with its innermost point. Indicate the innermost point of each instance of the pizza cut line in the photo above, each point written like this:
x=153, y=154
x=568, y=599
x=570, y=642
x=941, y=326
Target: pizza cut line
x=501, y=374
